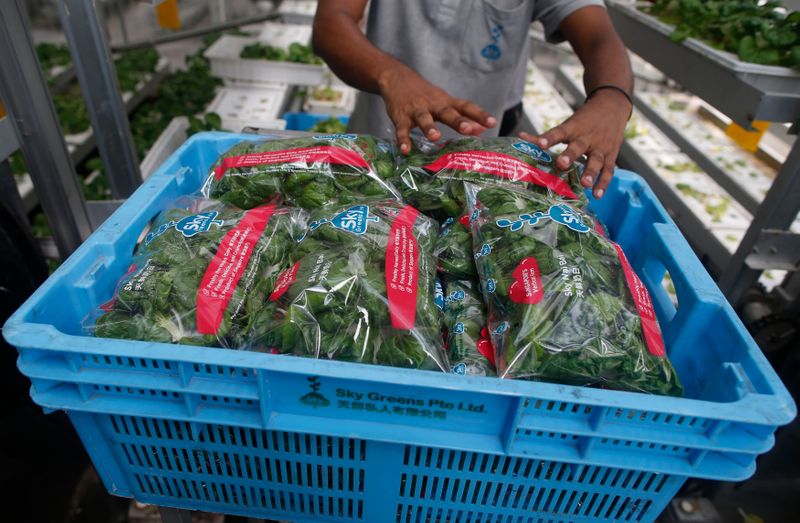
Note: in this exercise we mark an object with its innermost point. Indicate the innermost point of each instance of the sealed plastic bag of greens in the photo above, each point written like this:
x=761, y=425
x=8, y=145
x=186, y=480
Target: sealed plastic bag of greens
x=453, y=249
x=362, y=289
x=201, y=275
x=432, y=178
x=307, y=172
x=468, y=347
x=564, y=303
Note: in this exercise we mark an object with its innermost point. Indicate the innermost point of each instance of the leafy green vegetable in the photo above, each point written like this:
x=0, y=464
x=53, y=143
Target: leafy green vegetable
x=334, y=302
x=559, y=300
x=681, y=167
x=134, y=66
x=40, y=227
x=468, y=347
x=296, y=52
x=715, y=205
x=433, y=180
x=17, y=163
x=332, y=125
x=326, y=94
x=184, y=93
x=181, y=289
x=307, y=172
x=453, y=250
x=206, y=122
x=72, y=113
x=52, y=55
x=757, y=31
x=95, y=186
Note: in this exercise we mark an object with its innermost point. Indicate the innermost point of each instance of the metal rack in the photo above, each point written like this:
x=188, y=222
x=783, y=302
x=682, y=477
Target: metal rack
x=744, y=92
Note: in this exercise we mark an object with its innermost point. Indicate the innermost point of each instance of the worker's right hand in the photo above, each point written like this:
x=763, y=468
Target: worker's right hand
x=412, y=101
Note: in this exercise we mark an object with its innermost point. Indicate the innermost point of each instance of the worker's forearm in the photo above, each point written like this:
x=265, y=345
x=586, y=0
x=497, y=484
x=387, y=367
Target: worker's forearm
x=353, y=58
x=606, y=62
x=599, y=47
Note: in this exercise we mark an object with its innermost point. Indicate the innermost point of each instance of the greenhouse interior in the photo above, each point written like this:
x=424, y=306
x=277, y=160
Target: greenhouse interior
x=420, y=261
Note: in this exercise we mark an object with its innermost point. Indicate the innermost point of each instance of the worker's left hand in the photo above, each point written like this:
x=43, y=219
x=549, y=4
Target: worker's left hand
x=596, y=130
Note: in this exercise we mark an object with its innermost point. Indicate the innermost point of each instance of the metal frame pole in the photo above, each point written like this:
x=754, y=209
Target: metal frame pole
x=9, y=193
x=84, y=30
x=34, y=119
x=777, y=212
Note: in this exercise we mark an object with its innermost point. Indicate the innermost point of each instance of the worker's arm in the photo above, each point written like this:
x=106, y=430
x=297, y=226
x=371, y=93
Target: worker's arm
x=596, y=129
x=411, y=100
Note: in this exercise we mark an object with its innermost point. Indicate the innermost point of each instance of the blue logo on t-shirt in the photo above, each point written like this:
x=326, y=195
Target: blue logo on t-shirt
x=492, y=51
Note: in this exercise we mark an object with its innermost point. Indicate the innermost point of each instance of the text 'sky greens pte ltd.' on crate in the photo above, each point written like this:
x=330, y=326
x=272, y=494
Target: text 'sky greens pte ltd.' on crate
x=311, y=440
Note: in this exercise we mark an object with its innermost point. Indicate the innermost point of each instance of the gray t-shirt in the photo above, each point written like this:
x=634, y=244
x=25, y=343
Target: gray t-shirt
x=473, y=49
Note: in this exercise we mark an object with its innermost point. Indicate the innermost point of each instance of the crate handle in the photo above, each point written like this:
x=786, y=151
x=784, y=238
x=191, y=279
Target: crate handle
x=665, y=250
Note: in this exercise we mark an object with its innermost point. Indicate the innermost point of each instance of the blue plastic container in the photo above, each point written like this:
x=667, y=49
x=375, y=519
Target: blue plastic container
x=305, y=121
x=301, y=439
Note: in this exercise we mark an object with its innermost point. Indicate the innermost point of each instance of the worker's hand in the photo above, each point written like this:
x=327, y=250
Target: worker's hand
x=596, y=130
x=412, y=101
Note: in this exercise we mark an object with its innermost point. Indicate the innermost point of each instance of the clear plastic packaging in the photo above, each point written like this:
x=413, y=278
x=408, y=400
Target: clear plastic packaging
x=468, y=346
x=453, y=249
x=362, y=289
x=431, y=178
x=201, y=275
x=306, y=172
x=564, y=303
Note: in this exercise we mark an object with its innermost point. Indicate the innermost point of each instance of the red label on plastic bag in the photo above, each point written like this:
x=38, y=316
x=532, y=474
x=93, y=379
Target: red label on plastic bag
x=285, y=281
x=325, y=154
x=644, y=305
x=599, y=228
x=502, y=166
x=401, y=269
x=527, y=284
x=227, y=267
x=484, y=346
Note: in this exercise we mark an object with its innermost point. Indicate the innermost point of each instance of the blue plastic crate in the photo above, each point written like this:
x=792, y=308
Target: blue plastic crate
x=305, y=121
x=260, y=434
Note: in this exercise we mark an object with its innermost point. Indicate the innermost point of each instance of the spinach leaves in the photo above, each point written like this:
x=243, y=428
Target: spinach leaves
x=758, y=32
x=361, y=289
x=564, y=305
x=308, y=172
x=201, y=274
x=432, y=179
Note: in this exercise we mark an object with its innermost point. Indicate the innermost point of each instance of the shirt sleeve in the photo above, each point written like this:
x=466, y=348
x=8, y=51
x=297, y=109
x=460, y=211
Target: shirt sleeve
x=552, y=12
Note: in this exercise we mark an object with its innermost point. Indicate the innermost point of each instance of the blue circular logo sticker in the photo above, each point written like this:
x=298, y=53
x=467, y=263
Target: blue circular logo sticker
x=491, y=52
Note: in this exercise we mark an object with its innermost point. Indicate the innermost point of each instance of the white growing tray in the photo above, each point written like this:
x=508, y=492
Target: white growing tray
x=242, y=106
x=225, y=62
x=281, y=35
x=344, y=106
x=168, y=142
